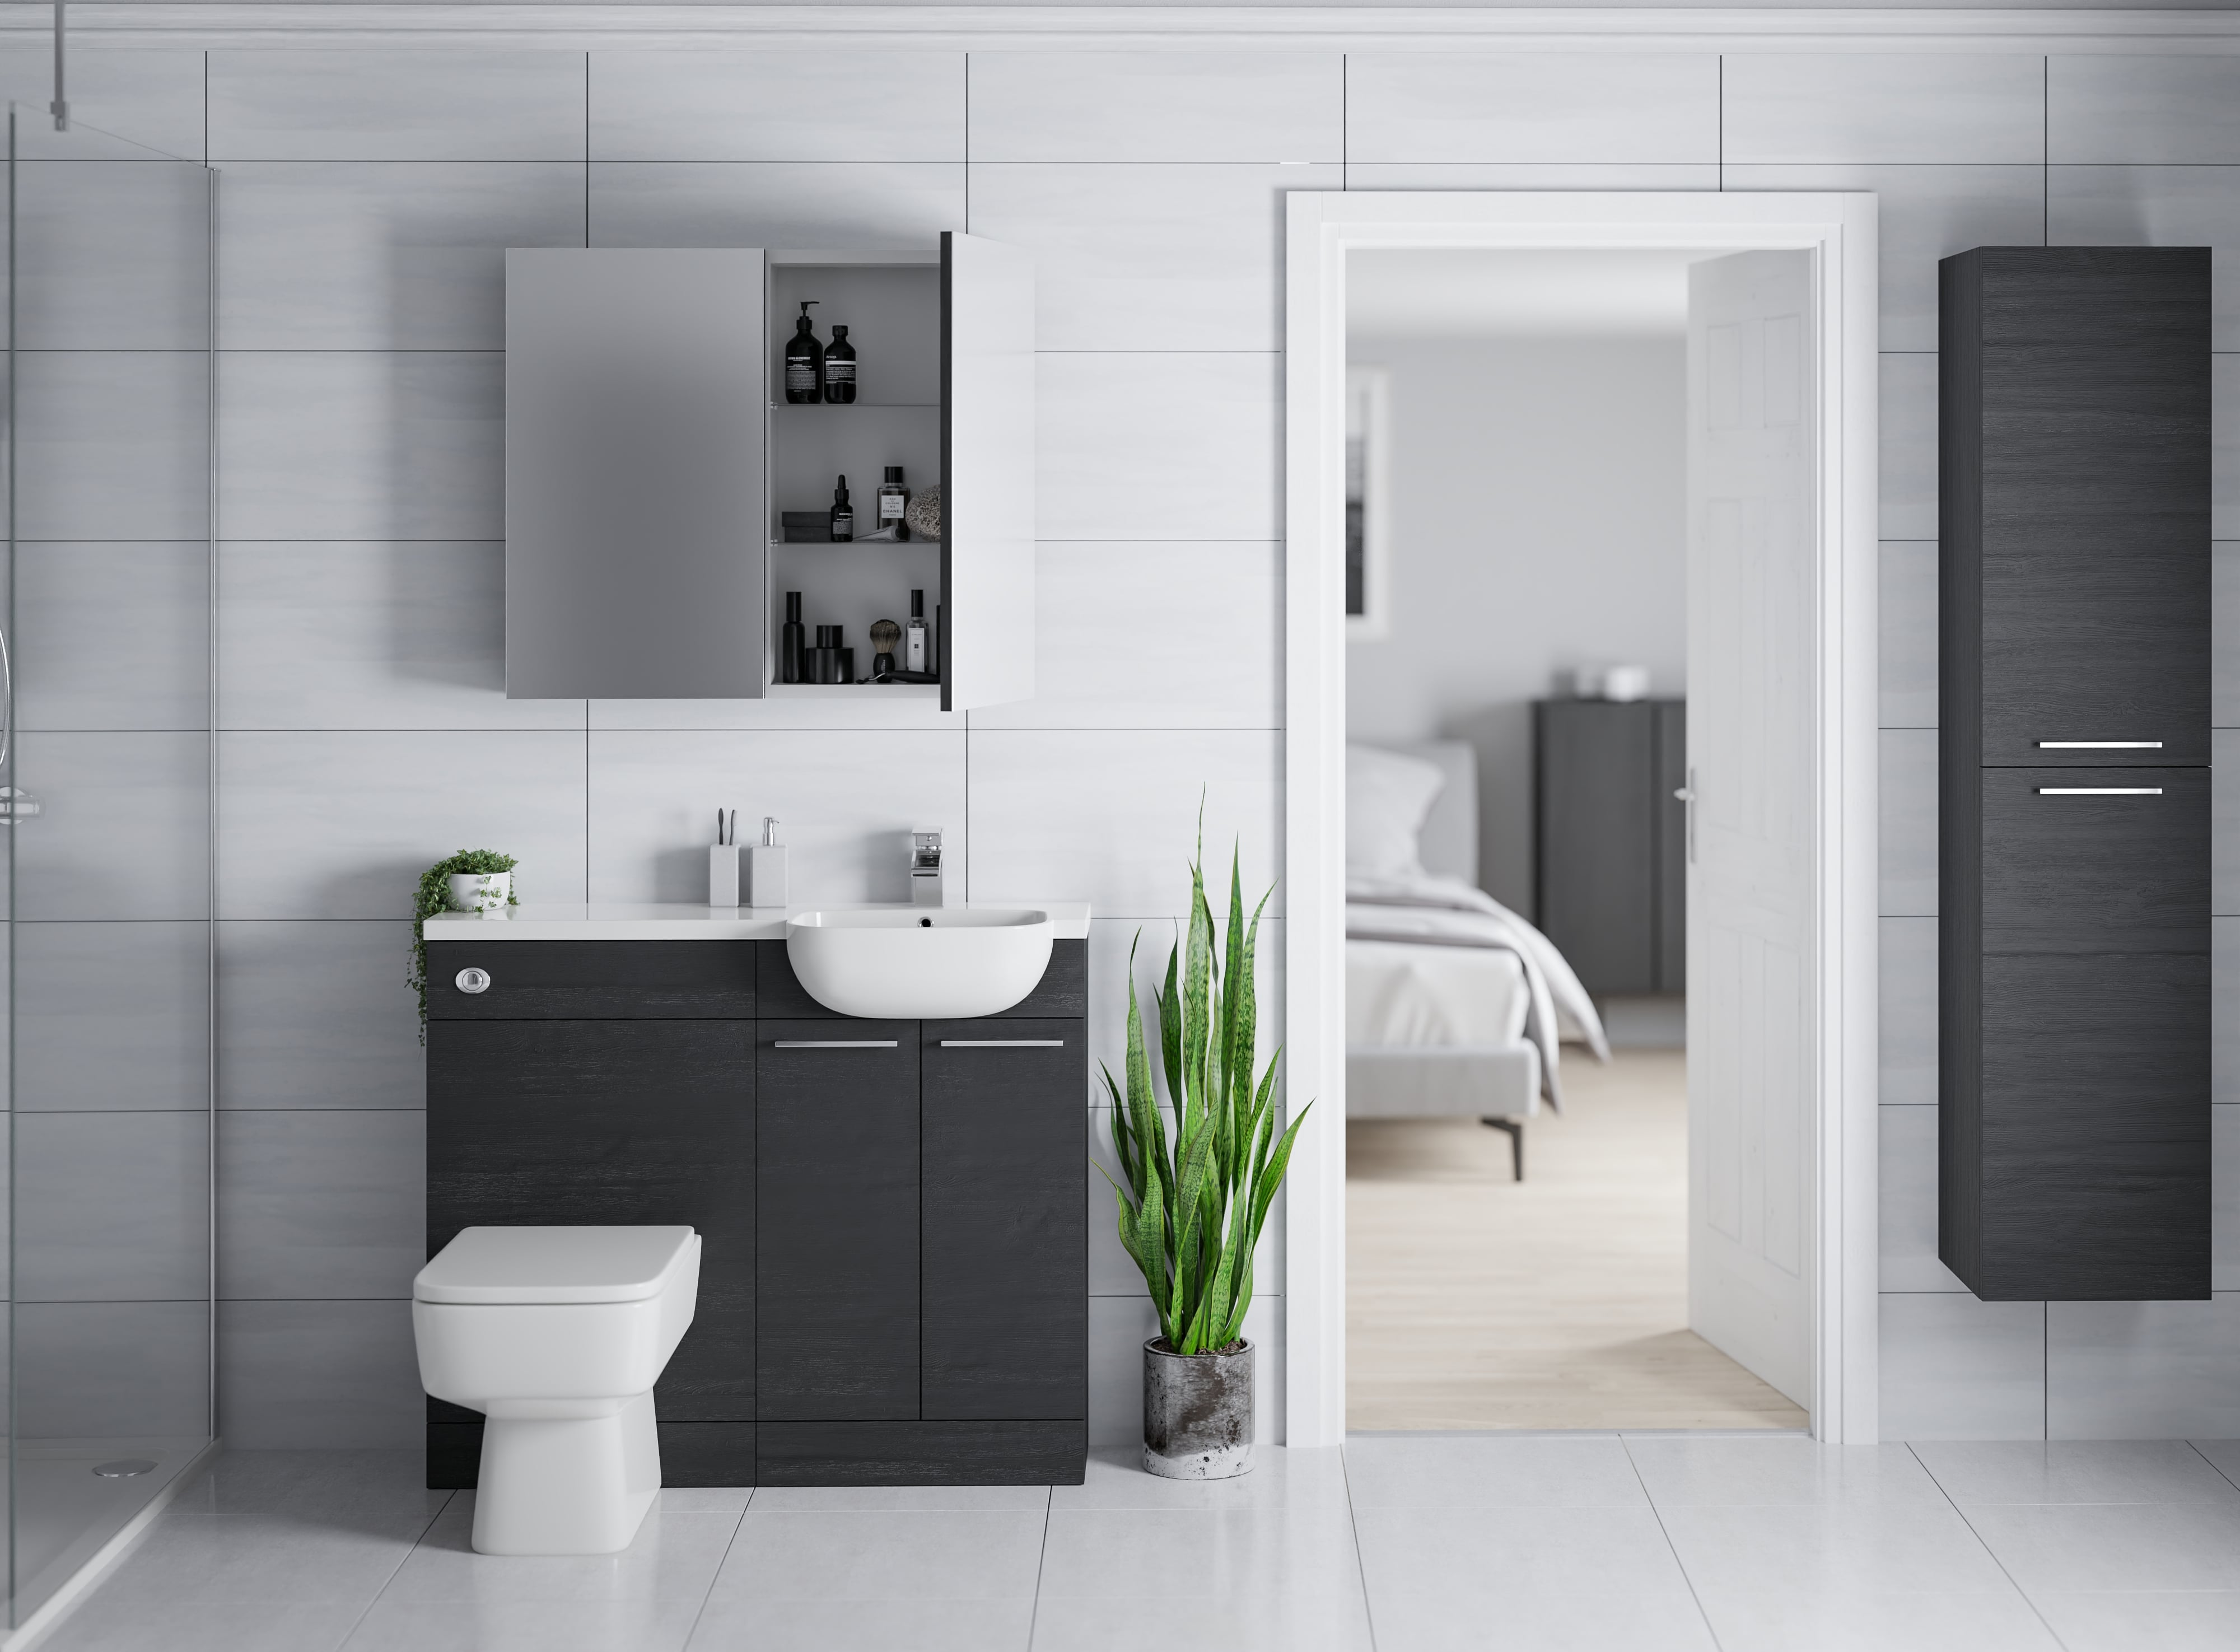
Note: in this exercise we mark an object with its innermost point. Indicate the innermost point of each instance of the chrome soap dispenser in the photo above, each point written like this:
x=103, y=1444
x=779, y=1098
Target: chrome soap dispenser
x=766, y=867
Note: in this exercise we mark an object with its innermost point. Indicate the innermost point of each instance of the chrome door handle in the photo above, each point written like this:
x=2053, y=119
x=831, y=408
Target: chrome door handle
x=834, y=1043
x=1687, y=794
x=2099, y=791
x=2099, y=745
x=1002, y=1043
x=17, y=804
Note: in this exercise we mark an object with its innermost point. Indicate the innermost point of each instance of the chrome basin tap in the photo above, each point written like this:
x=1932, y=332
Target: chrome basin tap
x=925, y=867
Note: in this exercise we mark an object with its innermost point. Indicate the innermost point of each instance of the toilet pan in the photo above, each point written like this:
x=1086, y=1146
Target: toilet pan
x=557, y=1336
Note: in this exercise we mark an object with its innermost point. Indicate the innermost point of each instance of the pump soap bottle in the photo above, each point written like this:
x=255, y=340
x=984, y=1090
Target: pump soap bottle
x=792, y=642
x=766, y=867
x=840, y=367
x=804, y=360
x=844, y=514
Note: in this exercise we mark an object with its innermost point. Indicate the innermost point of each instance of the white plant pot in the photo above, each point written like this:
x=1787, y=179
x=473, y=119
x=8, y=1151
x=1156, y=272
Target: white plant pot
x=481, y=891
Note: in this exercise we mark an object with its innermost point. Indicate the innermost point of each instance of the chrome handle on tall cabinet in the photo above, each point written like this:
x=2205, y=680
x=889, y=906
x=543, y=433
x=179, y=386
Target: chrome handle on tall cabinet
x=1002, y=1043
x=1687, y=794
x=2099, y=791
x=2099, y=745
x=834, y=1043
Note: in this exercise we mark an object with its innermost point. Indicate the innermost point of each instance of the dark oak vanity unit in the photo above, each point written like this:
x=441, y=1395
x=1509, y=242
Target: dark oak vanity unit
x=2074, y=797
x=893, y=1287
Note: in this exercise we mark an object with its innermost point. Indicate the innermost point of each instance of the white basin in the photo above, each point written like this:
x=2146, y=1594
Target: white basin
x=919, y=964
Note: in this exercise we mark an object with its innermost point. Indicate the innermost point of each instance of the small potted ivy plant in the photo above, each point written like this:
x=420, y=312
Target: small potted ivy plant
x=1193, y=1197
x=474, y=880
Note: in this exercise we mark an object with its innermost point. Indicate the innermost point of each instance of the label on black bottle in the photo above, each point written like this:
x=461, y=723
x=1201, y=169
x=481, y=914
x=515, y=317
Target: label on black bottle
x=800, y=376
x=839, y=372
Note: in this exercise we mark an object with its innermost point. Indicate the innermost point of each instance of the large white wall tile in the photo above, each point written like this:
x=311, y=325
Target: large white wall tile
x=111, y=1206
x=2224, y=458
x=1957, y=1369
x=2112, y=108
x=318, y=1014
x=1532, y=106
x=1909, y=447
x=830, y=208
x=2224, y=1198
x=150, y=97
x=362, y=445
x=1884, y=108
x=1926, y=213
x=341, y=825
x=319, y=1376
x=1158, y=106
x=352, y=635
x=1552, y=175
x=112, y=444
x=2155, y=206
x=1148, y=446
x=2224, y=1009
x=1909, y=633
x=1110, y=817
x=367, y=103
x=123, y=828
x=111, y=1016
x=852, y=711
x=1148, y=256
x=847, y=800
x=2225, y=636
x=112, y=636
x=359, y=254
x=89, y=1369
x=112, y=254
x=1153, y=634
x=1909, y=1203
x=2224, y=822
x=322, y=1204
x=1908, y=1035
x=861, y=105
x=2143, y=1370
x=1909, y=823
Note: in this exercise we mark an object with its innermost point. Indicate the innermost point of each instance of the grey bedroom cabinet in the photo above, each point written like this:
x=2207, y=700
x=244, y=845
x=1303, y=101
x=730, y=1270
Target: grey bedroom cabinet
x=2073, y=780
x=1611, y=857
x=651, y=459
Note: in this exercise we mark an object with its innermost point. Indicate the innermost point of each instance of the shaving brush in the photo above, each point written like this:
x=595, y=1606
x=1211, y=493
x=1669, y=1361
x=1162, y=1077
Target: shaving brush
x=885, y=635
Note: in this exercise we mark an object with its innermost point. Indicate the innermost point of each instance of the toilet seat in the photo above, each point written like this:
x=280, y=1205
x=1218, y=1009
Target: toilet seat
x=499, y=1267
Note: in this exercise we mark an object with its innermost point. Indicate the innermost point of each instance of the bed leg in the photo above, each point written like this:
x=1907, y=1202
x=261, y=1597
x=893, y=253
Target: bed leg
x=1514, y=1130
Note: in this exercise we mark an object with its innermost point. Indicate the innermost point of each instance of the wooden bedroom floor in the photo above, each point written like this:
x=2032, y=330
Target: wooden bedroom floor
x=1476, y=1302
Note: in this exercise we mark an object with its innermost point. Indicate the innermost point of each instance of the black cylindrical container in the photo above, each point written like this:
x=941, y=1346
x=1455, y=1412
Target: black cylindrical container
x=792, y=643
x=824, y=658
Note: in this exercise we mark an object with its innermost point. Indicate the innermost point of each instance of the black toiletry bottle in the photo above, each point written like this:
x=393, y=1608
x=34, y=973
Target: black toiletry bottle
x=894, y=500
x=840, y=367
x=844, y=514
x=791, y=642
x=804, y=361
x=824, y=658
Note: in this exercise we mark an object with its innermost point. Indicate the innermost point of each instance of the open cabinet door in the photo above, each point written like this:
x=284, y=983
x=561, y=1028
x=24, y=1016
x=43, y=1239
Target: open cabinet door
x=987, y=473
x=1751, y=555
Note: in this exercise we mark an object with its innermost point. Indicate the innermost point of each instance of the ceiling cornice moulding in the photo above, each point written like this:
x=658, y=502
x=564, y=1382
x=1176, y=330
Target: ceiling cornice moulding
x=285, y=23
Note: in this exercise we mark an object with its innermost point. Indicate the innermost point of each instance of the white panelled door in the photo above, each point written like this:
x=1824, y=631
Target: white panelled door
x=1751, y=556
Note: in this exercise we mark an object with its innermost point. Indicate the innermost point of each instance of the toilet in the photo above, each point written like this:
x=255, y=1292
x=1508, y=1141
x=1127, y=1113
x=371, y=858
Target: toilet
x=556, y=1336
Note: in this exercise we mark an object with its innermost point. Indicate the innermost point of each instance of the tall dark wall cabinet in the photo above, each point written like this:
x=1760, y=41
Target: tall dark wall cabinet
x=1610, y=860
x=2073, y=801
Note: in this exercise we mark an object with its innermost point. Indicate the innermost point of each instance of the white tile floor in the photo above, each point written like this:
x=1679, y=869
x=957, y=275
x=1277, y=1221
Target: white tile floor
x=1400, y=1543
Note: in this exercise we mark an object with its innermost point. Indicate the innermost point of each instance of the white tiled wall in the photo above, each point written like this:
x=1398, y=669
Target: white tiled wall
x=365, y=198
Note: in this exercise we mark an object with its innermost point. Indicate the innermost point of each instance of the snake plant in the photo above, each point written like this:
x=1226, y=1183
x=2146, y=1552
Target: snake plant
x=1193, y=1202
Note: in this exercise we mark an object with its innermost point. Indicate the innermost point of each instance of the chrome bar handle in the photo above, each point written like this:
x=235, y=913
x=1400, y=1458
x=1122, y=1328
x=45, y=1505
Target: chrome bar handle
x=1002, y=1043
x=2099, y=745
x=2099, y=791
x=836, y=1043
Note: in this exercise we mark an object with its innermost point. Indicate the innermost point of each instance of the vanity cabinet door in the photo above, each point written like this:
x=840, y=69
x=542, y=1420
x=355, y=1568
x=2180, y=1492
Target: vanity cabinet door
x=836, y=1201
x=629, y=1122
x=1005, y=1112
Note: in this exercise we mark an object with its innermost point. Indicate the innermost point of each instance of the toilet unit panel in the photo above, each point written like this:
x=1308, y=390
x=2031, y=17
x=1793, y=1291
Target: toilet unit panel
x=614, y=980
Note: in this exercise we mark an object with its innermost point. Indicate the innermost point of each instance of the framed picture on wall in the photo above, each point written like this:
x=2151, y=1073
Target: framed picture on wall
x=1368, y=508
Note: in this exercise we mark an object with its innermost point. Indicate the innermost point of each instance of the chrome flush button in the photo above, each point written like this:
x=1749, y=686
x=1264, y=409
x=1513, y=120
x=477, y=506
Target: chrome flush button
x=471, y=980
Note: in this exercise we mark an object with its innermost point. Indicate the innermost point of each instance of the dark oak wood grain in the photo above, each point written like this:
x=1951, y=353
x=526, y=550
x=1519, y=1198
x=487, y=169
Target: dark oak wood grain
x=1032, y=1453
x=838, y=1197
x=594, y=980
x=2084, y=873
x=1005, y=1133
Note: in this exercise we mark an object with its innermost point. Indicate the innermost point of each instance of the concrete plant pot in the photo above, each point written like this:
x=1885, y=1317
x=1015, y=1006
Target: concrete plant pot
x=1197, y=1413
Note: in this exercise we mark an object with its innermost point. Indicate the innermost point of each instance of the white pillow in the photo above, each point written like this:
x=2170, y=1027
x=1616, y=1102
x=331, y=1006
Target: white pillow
x=1387, y=794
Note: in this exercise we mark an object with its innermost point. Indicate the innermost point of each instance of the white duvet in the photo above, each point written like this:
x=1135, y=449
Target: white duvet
x=1421, y=910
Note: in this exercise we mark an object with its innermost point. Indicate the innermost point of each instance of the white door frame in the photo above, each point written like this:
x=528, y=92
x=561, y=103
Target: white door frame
x=1840, y=230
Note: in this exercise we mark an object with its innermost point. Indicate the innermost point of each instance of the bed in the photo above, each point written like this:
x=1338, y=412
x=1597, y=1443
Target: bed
x=1454, y=1006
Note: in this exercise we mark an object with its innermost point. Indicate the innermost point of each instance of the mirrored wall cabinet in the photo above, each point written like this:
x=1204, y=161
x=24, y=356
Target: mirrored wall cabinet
x=663, y=494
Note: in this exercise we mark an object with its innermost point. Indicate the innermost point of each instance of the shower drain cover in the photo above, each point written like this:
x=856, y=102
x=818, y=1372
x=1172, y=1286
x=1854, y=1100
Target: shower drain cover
x=124, y=1468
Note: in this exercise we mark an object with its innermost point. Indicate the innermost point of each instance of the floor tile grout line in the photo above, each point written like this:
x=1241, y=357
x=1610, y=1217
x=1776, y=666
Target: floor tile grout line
x=1953, y=1503
x=1042, y=1558
x=1353, y=1524
x=2213, y=1465
x=708, y=1594
x=358, y=1622
x=1671, y=1548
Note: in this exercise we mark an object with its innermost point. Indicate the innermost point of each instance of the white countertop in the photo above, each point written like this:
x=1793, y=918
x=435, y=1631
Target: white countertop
x=676, y=921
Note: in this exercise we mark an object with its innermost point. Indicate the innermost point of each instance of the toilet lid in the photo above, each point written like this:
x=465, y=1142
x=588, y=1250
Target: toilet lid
x=503, y=1265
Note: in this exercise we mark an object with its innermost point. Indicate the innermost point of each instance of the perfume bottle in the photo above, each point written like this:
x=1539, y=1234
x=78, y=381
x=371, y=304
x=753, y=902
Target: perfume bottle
x=804, y=360
x=914, y=635
x=844, y=514
x=894, y=500
x=792, y=642
x=840, y=367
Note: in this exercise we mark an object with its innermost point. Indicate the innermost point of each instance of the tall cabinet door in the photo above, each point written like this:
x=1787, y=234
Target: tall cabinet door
x=636, y=524
x=987, y=472
x=837, y=1204
x=1005, y=1122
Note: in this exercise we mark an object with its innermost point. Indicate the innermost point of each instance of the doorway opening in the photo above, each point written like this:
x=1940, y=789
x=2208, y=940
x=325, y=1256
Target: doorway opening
x=1581, y=640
